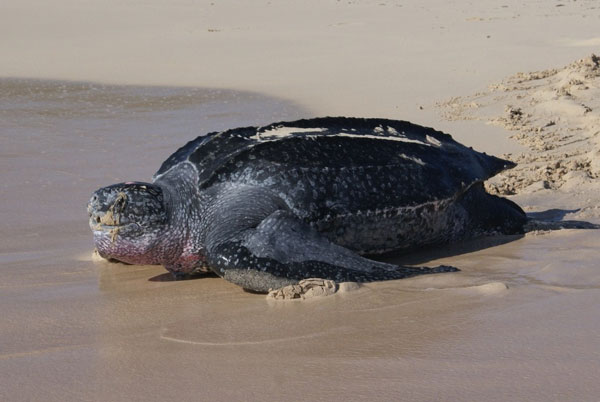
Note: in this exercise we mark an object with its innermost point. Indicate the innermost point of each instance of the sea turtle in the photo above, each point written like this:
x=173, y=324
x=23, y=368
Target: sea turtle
x=270, y=206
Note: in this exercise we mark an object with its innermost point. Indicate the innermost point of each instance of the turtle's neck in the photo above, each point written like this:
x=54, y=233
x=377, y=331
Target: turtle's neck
x=180, y=248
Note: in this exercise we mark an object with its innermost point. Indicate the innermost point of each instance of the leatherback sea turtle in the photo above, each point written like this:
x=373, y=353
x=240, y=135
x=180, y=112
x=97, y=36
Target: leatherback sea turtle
x=267, y=207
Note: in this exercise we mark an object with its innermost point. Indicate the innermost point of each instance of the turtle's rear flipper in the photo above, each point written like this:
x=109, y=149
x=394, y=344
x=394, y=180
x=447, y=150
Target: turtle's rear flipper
x=282, y=250
x=490, y=214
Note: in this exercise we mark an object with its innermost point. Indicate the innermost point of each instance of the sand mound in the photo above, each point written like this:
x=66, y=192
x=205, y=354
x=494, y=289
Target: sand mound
x=554, y=113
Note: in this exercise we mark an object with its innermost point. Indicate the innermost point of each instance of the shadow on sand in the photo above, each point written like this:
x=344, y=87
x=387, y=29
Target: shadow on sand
x=167, y=277
x=544, y=220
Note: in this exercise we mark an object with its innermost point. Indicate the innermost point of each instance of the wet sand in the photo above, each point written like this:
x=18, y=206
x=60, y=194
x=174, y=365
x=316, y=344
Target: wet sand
x=519, y=322
x=521, y=318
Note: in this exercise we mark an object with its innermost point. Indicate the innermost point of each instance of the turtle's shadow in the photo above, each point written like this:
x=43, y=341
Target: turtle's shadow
x=552, y=215
x=469, y=246
x=167, y=277
x=427, y=254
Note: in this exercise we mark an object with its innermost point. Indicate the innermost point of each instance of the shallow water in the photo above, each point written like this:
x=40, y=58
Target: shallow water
x=519, y=322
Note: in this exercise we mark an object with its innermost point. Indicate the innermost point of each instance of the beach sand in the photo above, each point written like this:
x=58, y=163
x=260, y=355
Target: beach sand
x=96, y=93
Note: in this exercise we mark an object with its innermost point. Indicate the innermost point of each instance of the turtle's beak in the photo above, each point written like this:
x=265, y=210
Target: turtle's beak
x=96, y=218
x=92, y=204
x=93, y=211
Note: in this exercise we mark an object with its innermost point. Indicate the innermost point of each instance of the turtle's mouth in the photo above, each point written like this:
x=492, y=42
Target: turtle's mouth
x=101, y=227
x=112, y=230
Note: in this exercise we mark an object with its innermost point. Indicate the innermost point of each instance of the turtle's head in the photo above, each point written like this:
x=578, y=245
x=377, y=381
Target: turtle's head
x=128, y=220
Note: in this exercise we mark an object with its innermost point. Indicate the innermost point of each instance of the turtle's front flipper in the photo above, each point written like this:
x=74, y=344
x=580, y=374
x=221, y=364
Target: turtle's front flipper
x=282, y=250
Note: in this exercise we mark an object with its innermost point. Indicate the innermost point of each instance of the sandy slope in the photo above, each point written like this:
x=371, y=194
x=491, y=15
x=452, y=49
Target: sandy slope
x=555, y=115
x=519, y=322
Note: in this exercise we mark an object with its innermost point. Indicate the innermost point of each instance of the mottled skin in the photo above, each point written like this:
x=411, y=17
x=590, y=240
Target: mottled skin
x=266, y=207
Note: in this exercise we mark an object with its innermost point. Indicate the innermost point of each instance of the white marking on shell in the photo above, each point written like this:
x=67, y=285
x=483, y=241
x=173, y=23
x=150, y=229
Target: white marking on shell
x=392, y=131
x=283, y=132
x=436, y=204
x=433, y=141
x=378, y=137
x=413, y=158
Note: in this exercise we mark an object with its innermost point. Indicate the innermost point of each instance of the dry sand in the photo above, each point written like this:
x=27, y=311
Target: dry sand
x=519, y=322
